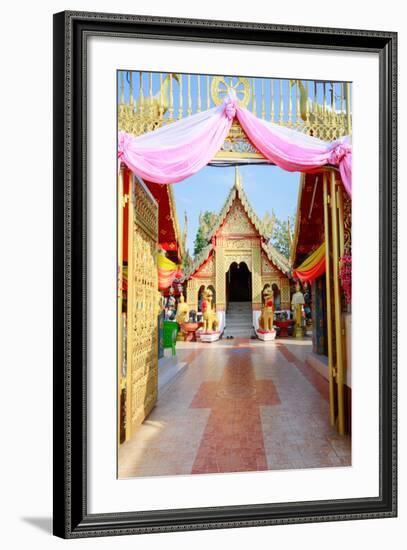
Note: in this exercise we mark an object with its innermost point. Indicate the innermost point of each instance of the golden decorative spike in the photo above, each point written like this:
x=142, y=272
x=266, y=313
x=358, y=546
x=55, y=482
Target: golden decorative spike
x=315, y=96
x=348, y=110
x=141, y=98
x=161, y=107
x=290, y=237
x=281, y=112
x=121, y=79
x=290, y=106
x=199, y=106
x=253, y=97
x=207, y=92
x=297, y=104
x=237, y=178
x=263, y=107
x=272, y=100
x=324, y=101
x=307, y=102
x=171, y=108
x=150, y=92
x=131, y=96
x=180, y=110
x=342, y=105
x=189, y=96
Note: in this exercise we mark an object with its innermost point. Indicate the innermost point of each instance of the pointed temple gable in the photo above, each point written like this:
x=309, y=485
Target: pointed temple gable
x=238, y=237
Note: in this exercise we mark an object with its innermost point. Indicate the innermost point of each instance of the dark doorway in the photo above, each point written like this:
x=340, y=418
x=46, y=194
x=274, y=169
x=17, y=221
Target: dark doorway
x=239, y=283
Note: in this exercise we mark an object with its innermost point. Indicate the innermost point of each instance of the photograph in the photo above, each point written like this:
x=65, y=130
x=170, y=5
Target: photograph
x=234, y=274
x=225, y=254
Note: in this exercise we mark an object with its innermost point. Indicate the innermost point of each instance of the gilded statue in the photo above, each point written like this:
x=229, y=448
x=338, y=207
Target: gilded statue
x=297, y=302
x=182, y=315
x=266, y=320
x=210, y=318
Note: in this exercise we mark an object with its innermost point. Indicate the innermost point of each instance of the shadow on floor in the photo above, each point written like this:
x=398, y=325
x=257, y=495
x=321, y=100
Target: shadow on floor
x=44, y=524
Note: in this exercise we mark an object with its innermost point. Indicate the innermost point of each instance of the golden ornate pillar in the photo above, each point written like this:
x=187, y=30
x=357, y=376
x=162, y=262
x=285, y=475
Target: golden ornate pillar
x=285, y=301
x=220, y=278
x=120, y=378
x=331, y=373
x=192, y=294
x=340, y=366
x=256, y=278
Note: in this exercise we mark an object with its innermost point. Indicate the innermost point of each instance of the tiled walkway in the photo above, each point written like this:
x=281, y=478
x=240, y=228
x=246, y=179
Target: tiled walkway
x=239, y=405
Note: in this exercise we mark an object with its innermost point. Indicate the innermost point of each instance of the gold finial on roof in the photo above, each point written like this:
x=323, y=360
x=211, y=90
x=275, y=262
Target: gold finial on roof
x=237, y=178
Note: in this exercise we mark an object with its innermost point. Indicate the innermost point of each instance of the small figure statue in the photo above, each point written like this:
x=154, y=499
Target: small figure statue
x=210, y=319
x=182, y=315
x=170, y=306
x=266, y=320
x=297, y=302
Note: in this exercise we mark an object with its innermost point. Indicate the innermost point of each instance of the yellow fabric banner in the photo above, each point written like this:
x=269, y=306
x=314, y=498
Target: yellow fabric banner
x=313, y=259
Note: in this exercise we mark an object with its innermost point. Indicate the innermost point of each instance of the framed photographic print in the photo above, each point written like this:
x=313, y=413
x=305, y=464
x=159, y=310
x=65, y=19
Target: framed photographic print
x=224, y=274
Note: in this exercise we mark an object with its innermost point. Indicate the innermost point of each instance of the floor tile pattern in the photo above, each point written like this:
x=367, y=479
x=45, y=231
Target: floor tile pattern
x=239, y=405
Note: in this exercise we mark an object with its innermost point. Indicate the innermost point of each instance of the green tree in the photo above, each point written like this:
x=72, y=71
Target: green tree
x=207, y=221
x=282, y=235
x=269, y=221
x=187, y=261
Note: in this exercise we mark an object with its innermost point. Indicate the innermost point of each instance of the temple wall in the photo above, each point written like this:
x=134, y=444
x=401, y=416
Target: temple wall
x=237, y=241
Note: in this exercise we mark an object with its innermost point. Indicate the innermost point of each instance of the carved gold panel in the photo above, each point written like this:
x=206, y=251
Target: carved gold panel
x=256, y=276
x=208, y=269
x=239, y=244
x=285, y=293
x=142, y=304
x=220, y=281
x=237, y=222
x=238, y=258
x=267, y=267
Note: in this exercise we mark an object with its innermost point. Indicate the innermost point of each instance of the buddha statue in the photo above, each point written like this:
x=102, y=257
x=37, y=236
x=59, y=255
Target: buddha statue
x=266, y=320
x=297, y=301
x=182, y=315
x=210, y=318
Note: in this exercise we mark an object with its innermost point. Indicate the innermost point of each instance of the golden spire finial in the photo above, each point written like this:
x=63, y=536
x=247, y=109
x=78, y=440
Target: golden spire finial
x=237, y=177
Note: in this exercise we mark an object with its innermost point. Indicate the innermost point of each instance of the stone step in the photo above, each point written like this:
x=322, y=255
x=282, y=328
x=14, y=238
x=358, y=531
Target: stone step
x=242, y=333
x=239, y=317
x=238, y=325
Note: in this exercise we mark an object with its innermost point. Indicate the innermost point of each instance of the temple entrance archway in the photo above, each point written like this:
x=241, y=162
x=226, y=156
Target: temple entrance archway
x=238, y=283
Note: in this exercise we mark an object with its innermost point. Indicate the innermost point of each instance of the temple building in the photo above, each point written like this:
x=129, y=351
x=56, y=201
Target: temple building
x=238, y=260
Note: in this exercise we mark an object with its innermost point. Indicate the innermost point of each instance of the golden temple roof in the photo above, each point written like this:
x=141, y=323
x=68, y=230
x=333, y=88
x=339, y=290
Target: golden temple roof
x=237, y=192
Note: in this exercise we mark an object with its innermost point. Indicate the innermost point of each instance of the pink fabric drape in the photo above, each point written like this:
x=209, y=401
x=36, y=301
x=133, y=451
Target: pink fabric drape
x=175, y=152
x=179, y=150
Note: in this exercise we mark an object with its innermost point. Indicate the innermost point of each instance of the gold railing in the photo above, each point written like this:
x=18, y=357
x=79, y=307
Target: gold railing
x=149, y=100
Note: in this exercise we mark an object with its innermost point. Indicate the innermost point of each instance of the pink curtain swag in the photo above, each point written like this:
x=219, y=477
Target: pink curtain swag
x=179, y=150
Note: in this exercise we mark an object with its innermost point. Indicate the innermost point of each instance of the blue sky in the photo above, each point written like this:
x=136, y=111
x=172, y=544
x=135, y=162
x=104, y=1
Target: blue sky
x=267, y=188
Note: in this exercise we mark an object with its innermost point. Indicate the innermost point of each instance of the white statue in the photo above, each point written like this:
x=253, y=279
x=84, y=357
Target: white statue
x=297, y=301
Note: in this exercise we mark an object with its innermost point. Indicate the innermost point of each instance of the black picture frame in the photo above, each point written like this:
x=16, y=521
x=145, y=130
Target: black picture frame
x=71, y=518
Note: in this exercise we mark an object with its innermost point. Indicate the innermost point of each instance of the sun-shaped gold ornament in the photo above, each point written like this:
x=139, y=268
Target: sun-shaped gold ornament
x=221, y=85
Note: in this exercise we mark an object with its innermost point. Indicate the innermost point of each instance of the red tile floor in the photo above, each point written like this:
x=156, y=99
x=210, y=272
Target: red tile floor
x=239, y=405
